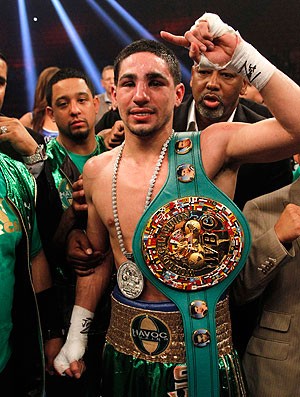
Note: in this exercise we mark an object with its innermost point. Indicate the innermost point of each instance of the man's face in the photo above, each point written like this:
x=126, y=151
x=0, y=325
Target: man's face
x=73, y=108
x=145, y=94
x=107, y=80
x=3, y=81
x=216, y=93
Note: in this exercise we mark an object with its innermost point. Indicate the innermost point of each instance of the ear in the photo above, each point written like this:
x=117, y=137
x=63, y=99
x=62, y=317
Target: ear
x=191, y=79
x=96, y=103
x=244, y=87
x=49, y=111
x=113, y=93
x=179, y=92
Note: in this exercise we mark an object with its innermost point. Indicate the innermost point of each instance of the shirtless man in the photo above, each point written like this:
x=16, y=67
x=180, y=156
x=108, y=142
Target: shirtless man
x=147, y=88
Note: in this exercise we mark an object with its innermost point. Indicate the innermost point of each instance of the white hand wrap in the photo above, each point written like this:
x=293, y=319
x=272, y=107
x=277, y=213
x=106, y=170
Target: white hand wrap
x=74, y=348
x=246, y=60
x=216, y=26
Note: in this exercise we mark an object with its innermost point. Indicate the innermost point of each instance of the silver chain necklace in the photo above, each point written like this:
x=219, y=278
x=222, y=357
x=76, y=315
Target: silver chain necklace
x=149, y=193
x=129, y=277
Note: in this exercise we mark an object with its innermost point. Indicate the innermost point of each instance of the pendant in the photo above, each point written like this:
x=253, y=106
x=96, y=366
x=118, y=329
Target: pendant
x=130, y=280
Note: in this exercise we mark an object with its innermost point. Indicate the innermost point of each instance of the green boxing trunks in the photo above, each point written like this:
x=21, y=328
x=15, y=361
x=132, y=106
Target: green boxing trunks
x=145, y=351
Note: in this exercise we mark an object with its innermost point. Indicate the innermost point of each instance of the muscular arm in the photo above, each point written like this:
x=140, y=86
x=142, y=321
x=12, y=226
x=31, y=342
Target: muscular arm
x=90, y=289
x=212, y=42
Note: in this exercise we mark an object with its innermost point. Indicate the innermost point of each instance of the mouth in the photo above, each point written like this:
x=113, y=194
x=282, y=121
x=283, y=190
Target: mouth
x=211, y=101
x=141, y=114
x=78, y=124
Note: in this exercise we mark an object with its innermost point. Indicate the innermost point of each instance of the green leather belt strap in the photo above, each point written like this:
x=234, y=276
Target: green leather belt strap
x=191, y=243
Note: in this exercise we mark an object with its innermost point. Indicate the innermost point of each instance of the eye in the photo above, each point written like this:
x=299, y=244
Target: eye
x=127, y=83
x=155, y=83
x=61, y=104
x=227, y=75
x=204, y=73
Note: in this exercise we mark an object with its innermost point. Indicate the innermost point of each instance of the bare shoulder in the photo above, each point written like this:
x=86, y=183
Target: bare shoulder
x=98, y=165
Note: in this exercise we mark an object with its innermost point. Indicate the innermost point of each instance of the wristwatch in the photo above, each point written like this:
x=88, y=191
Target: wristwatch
x=38, y=156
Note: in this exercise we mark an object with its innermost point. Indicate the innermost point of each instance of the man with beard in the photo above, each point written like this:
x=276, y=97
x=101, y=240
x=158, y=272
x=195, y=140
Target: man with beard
x=72, y=104
x=215, y=98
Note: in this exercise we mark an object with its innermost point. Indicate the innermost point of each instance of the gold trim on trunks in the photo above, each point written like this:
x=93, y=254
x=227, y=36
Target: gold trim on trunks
x=158, y=336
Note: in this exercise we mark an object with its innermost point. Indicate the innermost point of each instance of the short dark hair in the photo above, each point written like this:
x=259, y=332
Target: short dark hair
x=67, y=73
x=155, y=48
x=3, y=57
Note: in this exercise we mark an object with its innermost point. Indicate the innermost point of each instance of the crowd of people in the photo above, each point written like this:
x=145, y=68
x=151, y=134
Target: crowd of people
x=150, y=238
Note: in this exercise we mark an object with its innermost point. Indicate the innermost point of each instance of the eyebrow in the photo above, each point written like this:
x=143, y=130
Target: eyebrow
x=153, y=75
x=78, y=94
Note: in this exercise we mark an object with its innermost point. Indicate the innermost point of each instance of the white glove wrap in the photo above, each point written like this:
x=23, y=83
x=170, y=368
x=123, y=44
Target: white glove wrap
x=246, y=60
x=75, y=346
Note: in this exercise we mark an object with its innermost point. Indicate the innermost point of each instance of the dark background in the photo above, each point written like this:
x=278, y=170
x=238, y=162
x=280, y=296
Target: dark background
x=272, y=26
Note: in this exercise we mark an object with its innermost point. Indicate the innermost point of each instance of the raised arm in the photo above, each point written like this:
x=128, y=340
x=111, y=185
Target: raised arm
x=212, y=43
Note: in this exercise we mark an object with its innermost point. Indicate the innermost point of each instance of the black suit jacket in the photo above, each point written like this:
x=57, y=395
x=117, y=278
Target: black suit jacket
x=253, y=179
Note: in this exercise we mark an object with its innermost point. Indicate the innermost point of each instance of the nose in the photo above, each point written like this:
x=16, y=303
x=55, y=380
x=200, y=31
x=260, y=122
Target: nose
x=141, y=95
x=213, y=81
x=74, y=108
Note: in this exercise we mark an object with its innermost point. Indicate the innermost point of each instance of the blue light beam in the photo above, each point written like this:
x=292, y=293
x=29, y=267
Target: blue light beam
x=84, y=56
x=115, y=29
x=139, y=28
x=130, y=20
x=29, y=62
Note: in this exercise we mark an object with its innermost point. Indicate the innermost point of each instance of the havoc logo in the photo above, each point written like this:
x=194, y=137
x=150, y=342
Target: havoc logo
x=150, y=335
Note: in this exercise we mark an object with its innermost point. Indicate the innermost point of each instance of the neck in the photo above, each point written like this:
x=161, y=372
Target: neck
x=84, y=147
x=138, y=146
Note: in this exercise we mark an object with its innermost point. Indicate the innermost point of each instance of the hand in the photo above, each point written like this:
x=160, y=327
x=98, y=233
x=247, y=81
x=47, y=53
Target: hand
x=52, y=348
x=18, y=136
x=65, y=363
x=80, y=254
x=78, y=202
x=115, y=136
x=69, y=359
x=287, y=228
x=210, y=36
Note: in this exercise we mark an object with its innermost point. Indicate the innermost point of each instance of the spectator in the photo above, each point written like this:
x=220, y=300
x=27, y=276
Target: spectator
x=72, y=104
x=38, y=119
x=270, y=276
x=107, y=81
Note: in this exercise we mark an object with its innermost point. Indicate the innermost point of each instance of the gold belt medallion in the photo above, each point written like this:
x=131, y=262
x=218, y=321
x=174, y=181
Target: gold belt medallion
x=192, y=243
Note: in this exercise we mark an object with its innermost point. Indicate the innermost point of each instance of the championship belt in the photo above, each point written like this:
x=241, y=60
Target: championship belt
x=191, y=243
